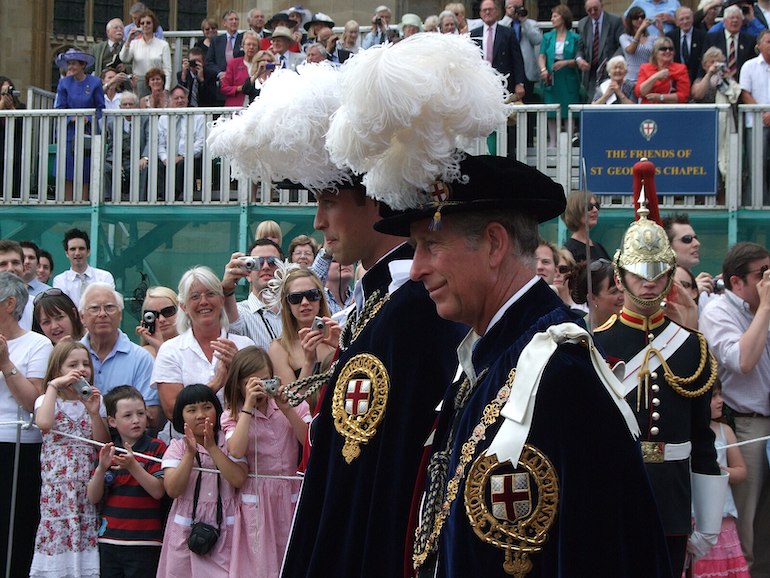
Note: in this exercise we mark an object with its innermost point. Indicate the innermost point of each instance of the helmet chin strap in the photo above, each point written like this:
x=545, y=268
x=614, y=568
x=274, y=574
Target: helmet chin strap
x=647, y=303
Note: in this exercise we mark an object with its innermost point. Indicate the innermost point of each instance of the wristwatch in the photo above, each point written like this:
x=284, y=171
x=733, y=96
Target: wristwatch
x=661, y=98
x=12, y=372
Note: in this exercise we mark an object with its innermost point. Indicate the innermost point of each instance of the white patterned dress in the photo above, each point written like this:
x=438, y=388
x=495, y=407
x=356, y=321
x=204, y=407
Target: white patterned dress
x=65, y=545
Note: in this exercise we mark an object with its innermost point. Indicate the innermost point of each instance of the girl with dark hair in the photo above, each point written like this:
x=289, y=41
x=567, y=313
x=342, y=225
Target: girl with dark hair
x=261, y=426
x=605, y=298
x=199, y=496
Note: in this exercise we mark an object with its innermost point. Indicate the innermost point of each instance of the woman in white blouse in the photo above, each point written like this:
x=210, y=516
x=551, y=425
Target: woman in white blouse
x=146, y=52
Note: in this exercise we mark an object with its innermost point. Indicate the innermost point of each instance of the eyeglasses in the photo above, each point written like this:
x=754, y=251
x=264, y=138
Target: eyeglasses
x=297, y=297
x=195, y=297
x=564, y=269
x=302, y=254
x=687, y=239
x=53, y=292
x=666, y=49
x=597, y=205
x=109, y=309
x=167, y=312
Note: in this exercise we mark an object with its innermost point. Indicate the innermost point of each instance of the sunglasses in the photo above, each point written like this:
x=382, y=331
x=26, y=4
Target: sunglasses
x=666, y=49
x=564, y=269
x=761, y=270
x=167, y=312
x=638, y=17
x=687, y=239
x=297, y=297
x=598, y=265
x=597, y=205
x=53, y=292
x=271, y=261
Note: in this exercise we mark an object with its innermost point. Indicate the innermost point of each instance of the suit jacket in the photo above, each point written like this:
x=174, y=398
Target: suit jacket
x=102, y=57
x=744, y=52
x=216, y=60
x=293, y=60
x=110, y=130
x=609, y=41
x=696, y=50
x=208, y=93
x=531, y=37
x=506, y=54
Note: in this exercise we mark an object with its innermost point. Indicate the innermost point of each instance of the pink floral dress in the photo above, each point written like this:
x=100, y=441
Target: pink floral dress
x=66, y=537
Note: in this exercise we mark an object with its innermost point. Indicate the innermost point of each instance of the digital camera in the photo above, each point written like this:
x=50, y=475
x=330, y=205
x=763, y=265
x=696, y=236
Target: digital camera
x=148, y=320
x=249, y=263
x=83, y=388
x=272, y=385
x=319, y=325
x=520, y=11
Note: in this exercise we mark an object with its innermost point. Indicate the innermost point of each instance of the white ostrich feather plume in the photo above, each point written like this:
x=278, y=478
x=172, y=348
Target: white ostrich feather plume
x=281, y=135
x=271, y=295
x=408, y=109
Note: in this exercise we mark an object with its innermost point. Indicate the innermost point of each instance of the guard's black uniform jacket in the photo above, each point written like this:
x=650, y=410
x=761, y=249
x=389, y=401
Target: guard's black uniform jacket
x=604, y=522
x=669, y=416
x=352, y=516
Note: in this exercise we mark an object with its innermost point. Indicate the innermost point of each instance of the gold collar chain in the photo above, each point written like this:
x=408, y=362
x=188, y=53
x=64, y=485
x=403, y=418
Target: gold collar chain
x=488, y=417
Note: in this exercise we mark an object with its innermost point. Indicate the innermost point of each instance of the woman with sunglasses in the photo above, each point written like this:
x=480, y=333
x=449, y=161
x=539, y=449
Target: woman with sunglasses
x=56, y=316
x=210, y=32
x=161, y=304
x=583, y=209
x=300, y=349
x=565, y=270
x=636, y=42
x=663, y=81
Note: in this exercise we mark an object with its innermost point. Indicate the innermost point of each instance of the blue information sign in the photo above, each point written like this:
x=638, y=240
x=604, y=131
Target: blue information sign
x=682, y=143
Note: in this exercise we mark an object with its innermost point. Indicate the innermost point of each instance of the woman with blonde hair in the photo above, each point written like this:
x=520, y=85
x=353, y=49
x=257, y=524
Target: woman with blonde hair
x=302, y=346
x=269, y=230
x=158, y=318
x=350, y=36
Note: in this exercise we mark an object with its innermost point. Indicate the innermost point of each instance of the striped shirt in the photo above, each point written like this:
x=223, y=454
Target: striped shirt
x=130, y=516
x=257, y=321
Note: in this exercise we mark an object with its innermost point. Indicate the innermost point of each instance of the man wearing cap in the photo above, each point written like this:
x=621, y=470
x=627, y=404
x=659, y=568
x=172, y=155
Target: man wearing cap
x=281, y=40
x=668, y=377
x=512, y=486
x=377, y=409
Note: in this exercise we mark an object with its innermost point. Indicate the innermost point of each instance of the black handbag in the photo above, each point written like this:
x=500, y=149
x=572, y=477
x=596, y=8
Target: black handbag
x=204, y=536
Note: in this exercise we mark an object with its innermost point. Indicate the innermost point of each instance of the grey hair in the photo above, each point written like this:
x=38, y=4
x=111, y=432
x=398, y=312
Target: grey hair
x=447, y=14
x=730, y=10
x=210, y=281
x=617, y=61
x=11, y=285
x=521, y=228
x=250, y=34
x=711, y=54
x=94, y=286
x=129, y=94
x=321, y=48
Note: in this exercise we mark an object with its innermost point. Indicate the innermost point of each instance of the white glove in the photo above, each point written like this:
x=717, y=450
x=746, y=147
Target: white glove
x=699, y=544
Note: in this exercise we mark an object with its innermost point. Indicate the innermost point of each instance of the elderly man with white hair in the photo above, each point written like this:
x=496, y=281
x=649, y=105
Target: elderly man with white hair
x=117, y=360
x=380, y=26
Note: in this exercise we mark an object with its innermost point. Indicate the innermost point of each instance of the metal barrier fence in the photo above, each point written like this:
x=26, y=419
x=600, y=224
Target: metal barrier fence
x=35, y=158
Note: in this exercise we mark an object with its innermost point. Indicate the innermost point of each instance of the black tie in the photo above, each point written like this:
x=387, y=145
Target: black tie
x=685, y=50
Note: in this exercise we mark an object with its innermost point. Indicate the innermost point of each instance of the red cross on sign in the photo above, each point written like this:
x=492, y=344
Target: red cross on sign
x=510, y=496
x=357, y=396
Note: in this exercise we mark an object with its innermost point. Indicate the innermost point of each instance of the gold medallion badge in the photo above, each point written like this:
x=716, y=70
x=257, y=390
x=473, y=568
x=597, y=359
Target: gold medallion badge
x=358, y=405
x=513, y=508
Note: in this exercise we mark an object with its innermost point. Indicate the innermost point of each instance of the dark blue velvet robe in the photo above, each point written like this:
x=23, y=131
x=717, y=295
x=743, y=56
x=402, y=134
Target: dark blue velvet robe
x=606, y=523
x=352, y=518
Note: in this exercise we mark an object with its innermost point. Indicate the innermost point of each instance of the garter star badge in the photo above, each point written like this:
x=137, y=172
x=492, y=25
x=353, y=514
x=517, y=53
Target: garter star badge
x=358, y=404
x=513, y=508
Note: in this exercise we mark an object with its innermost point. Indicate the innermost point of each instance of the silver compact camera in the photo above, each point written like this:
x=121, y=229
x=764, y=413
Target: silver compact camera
x=319, y=325
x=249, y=263
x=148, y=320
x=83, y=388
x=272, y=385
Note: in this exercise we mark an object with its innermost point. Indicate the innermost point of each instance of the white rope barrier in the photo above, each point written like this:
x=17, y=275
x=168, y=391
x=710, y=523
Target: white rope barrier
x=141, y=455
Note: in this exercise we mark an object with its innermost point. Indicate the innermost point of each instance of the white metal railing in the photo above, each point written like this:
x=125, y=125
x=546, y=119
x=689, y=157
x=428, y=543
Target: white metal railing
x=38, y=157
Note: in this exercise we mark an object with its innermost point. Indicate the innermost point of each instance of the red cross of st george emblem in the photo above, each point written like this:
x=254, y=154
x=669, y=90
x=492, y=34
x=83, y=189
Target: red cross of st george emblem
x=439, y=192
x=510, y=496
x=357, y=396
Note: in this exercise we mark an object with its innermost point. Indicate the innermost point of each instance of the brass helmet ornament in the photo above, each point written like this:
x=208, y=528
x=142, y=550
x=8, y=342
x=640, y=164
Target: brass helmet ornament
x=645, y=250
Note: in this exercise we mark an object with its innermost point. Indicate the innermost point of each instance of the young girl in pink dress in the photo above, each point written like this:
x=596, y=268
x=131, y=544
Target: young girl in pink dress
x=257, y=421
x=65, y=545
x=725, y=559
x=197, y=412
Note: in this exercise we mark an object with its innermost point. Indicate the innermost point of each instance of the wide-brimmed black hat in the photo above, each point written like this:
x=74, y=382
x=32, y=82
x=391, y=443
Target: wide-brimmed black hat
x=486, y=182
x=278, y=17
